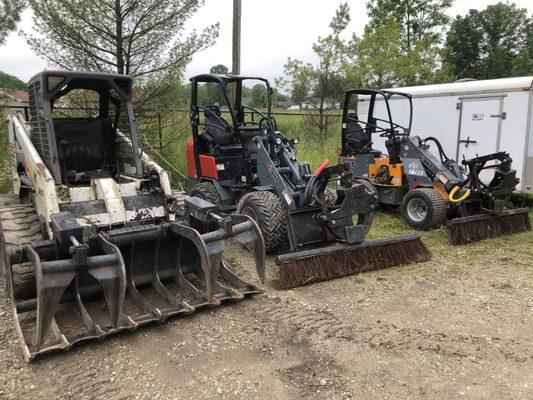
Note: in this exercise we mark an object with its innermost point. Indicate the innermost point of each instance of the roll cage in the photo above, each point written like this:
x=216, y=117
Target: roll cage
x=388, y=128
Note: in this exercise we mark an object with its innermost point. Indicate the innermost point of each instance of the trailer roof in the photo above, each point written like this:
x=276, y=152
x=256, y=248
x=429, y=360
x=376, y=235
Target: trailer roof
x=470, y=87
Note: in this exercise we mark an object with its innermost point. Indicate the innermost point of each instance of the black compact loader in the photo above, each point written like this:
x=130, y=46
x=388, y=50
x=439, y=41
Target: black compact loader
x=430, y=188
x=238, y=159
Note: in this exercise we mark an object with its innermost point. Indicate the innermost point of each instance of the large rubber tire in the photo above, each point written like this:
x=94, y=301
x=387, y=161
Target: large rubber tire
x=269, y=213
x=423, y=208
x=207, y=191
x=19, y=225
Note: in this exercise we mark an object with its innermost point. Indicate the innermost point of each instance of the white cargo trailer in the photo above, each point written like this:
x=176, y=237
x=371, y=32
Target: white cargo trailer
x=469, y=118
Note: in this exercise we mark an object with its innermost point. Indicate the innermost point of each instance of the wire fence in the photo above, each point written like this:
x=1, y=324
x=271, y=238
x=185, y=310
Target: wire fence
x=153, y=123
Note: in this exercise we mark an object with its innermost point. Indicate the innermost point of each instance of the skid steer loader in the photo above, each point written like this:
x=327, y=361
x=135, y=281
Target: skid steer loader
x=429, y=188
x=241, y=161
x=95, y=242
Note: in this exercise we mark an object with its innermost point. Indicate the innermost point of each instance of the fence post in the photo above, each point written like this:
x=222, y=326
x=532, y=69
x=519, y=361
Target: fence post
x=160, y=130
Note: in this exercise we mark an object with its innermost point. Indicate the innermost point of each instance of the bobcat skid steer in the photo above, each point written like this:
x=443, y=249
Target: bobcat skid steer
x=95, y=242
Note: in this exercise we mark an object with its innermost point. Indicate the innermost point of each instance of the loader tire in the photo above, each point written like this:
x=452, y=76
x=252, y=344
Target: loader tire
x=423, y=208
x=207, y=191
x=19, y=225
x=269, y=213
x=9, y=199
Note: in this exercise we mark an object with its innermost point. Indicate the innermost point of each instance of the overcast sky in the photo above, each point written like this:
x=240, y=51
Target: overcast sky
x=272, y=30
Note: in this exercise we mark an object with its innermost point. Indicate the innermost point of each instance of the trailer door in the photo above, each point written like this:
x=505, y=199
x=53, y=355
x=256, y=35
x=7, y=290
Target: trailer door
x=480, y=126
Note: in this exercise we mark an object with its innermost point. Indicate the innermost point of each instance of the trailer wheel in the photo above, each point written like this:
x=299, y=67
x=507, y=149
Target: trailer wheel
x=269, y=213
x=207, y=191
x=423, y=208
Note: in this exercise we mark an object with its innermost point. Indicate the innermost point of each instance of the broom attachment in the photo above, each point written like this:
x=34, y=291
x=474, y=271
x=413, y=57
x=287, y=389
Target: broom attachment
x=483, y=226
x=336, y=261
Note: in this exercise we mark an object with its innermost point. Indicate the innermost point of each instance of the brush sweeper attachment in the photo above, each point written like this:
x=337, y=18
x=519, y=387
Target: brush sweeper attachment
x=94, y=241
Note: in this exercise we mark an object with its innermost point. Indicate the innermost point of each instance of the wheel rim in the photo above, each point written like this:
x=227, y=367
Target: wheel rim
x=417, y=210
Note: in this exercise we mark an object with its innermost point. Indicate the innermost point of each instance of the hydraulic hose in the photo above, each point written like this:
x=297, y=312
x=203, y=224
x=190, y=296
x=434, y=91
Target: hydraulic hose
x=312, y=181
x=442, y=154
x=460, y=199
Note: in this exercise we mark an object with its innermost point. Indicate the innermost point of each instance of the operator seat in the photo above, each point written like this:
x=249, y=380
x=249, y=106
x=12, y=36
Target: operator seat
x=216, y=129
x=394, y=148
x=80, y=144
x=359, y=139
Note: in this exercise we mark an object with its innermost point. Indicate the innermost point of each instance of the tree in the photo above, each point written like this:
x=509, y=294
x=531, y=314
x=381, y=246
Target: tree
x=9, y=16
x=219, y=69
x=144, y=39
x=492, y=43
x=11, y=82
x=259, y=95
x=418, y=19
x=374, y=58
x=318, y=85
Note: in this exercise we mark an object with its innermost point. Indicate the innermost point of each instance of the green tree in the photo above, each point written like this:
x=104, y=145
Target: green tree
x=374, y=58
x=418, y=19
x=317, y=85
x=9, y=16
x=492, y=43
x=259, y=96
x=144, y=39
x=400, y=45
x=11, y=82
x=219, y=69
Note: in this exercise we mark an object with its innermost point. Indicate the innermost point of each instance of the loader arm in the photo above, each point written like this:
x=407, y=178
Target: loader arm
x=34, y=170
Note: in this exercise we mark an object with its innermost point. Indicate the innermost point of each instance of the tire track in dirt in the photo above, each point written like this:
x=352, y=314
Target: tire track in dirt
x=322, y=324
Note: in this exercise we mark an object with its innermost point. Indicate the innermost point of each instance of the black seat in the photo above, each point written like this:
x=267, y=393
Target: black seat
x=217, y=129
x=394, y=148
x=80, y=144
x=359, y=139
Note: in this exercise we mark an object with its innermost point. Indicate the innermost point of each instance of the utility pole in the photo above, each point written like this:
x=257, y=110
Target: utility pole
x=236, y=59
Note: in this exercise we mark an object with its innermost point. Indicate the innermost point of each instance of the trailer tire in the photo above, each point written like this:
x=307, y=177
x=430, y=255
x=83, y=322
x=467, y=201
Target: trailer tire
x=424, y=208
x=208, y=192
x=19, y=225
x=269, y=213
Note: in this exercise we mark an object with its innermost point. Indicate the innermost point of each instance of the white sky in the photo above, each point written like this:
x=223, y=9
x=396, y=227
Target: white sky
x=272, y=30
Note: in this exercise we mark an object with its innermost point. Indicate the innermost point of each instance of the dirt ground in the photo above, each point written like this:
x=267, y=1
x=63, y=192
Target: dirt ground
x=458, y=326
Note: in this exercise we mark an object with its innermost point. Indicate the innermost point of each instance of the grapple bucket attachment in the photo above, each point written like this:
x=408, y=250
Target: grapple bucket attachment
x=315, y=265
x=483, y=226
x=125, y=278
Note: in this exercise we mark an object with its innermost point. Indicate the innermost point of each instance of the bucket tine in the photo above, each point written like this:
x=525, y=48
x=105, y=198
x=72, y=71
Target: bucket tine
x=113, y=281
x=134, y=292
x=85, y=316
x=252, y=240
x=50, y=288
x=161, y=290
x=207, y=269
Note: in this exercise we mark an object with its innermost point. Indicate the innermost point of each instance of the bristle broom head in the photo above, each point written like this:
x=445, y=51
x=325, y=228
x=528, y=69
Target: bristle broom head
x=478, y=227
x=297, y=269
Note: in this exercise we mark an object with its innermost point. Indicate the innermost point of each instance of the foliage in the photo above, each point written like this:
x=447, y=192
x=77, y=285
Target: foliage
x=419, y=20
x=9, y=16
x=11, y=82
x=144, y=39
x=492, y=43
x=314, y=85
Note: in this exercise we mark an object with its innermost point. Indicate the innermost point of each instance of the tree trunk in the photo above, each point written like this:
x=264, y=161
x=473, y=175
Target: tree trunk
x=120, y=39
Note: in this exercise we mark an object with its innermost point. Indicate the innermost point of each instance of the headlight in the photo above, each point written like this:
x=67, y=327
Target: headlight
x=278, y=140
x=296, y=140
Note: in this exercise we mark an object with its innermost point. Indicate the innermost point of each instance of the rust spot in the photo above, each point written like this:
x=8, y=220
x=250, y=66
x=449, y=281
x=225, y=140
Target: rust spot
x=41, y=167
